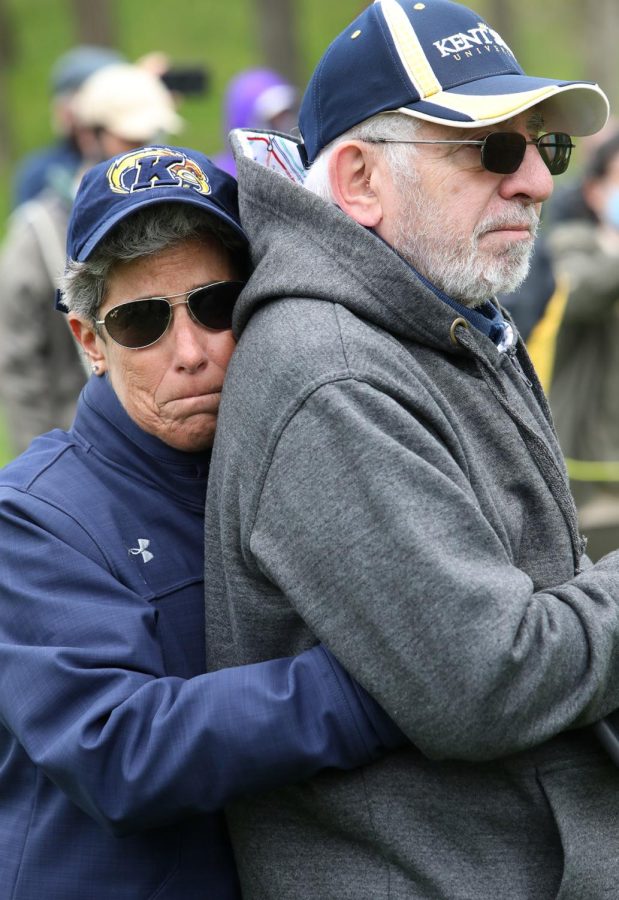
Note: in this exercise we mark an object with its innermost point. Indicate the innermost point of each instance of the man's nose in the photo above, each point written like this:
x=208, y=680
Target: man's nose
x=532, y=179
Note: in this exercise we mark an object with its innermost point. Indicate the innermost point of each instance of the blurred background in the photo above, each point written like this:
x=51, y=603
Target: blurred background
x=216, y=39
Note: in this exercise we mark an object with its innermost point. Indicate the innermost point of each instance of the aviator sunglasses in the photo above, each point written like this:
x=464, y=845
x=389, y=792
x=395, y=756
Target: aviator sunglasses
x=140, y=323
x=502, y=152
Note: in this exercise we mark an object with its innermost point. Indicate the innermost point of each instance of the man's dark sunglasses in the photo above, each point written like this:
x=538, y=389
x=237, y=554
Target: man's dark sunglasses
x=140, y=323
x=502, y=152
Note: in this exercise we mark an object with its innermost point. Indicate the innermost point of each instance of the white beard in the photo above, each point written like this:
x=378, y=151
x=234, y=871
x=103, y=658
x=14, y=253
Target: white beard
x=457, y=266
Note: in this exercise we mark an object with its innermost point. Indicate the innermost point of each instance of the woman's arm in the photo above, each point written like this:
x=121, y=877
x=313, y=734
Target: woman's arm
x=83, y=689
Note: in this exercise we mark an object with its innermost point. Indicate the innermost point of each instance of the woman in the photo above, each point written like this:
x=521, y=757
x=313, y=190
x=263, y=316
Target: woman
x=109, y=727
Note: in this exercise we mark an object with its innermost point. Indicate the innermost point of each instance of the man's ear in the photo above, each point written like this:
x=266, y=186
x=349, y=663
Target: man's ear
x=355, y=182
x=92, y=345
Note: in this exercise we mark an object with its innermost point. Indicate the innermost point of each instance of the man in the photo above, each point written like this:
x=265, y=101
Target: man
x=386, y=479
x=118, y=107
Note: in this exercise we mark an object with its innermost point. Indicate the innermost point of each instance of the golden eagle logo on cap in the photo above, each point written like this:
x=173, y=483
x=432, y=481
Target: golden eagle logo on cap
x=156, y=167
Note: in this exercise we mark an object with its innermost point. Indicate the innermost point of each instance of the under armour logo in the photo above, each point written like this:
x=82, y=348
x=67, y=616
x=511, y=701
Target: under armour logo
x=141, y=550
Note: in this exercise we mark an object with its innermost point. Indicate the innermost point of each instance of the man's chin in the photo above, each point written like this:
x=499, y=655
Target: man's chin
x=515, y=279
x=474, y=276
x=478, y=288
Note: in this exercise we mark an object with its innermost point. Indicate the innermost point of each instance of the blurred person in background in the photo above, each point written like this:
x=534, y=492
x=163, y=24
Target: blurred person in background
x=537, y=306
x=569, y=200
x=584, y=388
x=118, y=105
x=117, y=108
x=117, y=750
x=56, y=164
x=256, y=98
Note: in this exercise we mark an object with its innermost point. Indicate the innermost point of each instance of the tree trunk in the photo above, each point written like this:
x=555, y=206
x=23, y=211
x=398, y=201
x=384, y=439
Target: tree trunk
x=599, y=33
x=94, y=22
x=278, y=37
x=7, y=54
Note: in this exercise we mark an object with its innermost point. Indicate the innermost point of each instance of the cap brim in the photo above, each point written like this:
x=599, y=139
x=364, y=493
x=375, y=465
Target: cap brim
x=578, y=108
x=185, y=197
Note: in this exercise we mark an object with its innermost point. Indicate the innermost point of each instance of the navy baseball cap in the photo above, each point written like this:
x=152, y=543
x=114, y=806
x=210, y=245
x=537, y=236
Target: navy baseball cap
x=434, y=60
x=118, y=187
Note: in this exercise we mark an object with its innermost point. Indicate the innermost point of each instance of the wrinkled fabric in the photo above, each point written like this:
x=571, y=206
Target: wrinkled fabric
x=116, y=750
x=387, y=482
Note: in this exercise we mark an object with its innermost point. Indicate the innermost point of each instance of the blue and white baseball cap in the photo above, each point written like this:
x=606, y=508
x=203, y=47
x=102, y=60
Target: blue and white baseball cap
x=435, y=60
x=118, y=187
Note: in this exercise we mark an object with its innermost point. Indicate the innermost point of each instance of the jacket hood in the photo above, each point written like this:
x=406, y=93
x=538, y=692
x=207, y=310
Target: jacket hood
x=304, y=247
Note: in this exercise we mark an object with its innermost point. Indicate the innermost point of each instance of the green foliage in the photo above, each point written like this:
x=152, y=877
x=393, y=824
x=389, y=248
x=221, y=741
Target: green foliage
x=223, y=36
x=220, y=35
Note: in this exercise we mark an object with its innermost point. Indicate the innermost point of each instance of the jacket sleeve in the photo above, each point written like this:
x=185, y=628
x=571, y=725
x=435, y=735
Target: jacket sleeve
x=398, y=571
x=40, y=369
x=84, y=691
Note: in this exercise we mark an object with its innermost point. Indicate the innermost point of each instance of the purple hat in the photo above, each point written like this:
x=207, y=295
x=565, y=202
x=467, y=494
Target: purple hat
x=255, y=96
x=435, y=60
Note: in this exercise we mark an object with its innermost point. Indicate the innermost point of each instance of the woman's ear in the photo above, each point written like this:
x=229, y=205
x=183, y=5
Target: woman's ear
x=86, y=336
x=355, y=182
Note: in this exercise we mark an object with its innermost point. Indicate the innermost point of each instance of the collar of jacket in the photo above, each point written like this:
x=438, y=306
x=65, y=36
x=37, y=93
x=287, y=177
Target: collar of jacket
x=102, y=424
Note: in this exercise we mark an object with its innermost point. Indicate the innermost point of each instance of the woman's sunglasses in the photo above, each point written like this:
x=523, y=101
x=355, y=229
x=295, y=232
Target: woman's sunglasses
x=502, y=152
x=140, y=323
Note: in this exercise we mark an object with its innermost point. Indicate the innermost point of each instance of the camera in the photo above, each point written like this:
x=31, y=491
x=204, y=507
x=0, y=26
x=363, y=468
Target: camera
x=190, y=80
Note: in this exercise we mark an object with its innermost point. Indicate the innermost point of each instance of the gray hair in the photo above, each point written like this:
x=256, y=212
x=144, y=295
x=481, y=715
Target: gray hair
x=394, y=126
x=144, y=233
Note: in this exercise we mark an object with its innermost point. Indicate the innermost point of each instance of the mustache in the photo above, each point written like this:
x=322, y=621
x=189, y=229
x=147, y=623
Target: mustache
x=523, y=217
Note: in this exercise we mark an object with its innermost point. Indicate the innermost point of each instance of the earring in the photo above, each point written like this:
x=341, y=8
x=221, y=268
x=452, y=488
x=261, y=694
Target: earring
x=95, y=368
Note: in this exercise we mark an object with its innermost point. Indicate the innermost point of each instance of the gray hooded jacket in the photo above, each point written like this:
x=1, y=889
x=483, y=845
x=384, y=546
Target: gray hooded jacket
x=387, y=482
